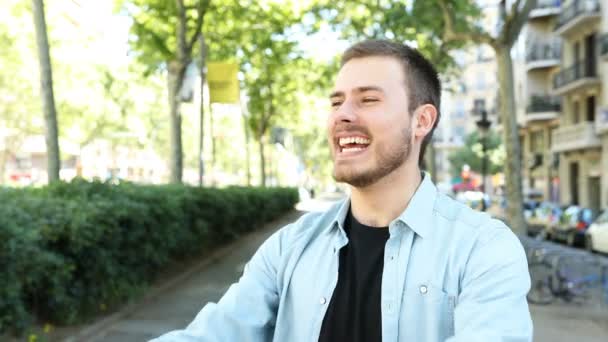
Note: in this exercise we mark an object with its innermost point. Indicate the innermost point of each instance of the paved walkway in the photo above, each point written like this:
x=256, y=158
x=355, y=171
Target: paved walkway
x=175, y=307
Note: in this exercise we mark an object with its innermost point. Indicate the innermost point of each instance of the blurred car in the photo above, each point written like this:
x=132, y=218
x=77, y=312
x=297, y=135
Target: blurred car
x=572, y=225
x=473, y=199
x=542, y=217
x=596, y=237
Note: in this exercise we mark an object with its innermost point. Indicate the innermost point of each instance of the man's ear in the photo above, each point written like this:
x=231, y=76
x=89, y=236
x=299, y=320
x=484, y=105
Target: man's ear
x=425, y=115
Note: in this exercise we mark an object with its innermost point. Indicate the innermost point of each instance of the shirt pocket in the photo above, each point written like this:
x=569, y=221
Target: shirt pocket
x=428, y=313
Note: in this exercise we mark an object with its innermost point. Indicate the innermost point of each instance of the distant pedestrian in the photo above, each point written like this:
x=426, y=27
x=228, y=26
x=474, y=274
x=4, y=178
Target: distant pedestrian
x=396, y=260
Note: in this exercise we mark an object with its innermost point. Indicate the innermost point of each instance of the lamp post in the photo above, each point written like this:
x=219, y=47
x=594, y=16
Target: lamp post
x=484, y=125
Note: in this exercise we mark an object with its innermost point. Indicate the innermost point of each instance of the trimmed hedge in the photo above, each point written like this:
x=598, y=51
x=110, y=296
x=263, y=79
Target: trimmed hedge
x=71, y=250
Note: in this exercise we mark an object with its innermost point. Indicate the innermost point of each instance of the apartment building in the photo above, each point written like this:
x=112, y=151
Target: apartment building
x=564, y=127
x=538, y=107
x=581, y=83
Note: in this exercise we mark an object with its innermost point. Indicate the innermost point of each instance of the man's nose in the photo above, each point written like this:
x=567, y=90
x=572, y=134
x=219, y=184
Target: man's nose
x=346, y=113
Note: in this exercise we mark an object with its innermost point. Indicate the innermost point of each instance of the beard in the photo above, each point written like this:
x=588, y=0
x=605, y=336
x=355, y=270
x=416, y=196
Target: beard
x=387, y=160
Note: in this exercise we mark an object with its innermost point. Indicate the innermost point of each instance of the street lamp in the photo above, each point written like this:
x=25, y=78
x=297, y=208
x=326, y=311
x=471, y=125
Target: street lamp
x=484, y=125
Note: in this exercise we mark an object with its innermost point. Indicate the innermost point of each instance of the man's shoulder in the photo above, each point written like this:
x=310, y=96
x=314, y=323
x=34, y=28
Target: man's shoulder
x=463, y=220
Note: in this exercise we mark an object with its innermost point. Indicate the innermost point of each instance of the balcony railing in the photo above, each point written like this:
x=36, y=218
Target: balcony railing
x=575, y=72
x=578, y=7
x=543, y=51
x=603, y=42
x=544, y=103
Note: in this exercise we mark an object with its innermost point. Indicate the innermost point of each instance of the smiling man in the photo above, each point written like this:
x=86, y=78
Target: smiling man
x=397, y=260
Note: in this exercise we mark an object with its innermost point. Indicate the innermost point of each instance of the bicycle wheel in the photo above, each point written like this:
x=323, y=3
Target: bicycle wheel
x=541, y=292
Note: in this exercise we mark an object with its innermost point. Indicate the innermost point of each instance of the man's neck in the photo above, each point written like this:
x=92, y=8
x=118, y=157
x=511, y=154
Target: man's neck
x=382, y=202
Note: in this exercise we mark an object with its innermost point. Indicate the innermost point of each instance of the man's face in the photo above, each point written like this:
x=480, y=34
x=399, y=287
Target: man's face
x=369, y=128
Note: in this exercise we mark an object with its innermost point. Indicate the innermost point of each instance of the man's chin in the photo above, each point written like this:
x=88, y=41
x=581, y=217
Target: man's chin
x=357, y=180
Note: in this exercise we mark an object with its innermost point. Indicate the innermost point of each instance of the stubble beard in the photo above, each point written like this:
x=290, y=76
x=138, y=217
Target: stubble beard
x=387, y=161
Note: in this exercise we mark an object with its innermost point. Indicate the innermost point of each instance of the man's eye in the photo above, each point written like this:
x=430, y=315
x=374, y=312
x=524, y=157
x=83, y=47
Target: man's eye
x=369, y=99
x=336, y=103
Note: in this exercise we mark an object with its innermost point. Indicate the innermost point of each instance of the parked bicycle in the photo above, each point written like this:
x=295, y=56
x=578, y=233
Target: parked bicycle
x=567, y=279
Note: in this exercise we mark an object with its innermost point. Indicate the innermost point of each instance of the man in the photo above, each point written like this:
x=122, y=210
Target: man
x=397, y=261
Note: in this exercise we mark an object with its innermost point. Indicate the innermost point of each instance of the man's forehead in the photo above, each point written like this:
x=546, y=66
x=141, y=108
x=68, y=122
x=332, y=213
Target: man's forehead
x=377, y=71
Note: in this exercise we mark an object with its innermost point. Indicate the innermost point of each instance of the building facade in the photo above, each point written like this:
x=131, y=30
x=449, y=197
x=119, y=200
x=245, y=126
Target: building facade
x=564, y=127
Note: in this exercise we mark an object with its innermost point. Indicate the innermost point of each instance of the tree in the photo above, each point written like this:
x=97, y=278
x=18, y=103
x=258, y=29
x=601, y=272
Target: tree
x=458, y=27
x=46, y=89
x=16, y=105
x=258, y=35
x=272, y=86
x=471, y=154
x=164, y=38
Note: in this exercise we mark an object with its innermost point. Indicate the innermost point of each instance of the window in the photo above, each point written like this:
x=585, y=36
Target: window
x=459, y=110
x=576, y=112
x=591, y=108
x=480, y=81
x=537, y=142
x=479, y=105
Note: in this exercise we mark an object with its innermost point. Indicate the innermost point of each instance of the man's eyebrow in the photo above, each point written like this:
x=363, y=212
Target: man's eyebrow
x=361, y=89
x=336, y=94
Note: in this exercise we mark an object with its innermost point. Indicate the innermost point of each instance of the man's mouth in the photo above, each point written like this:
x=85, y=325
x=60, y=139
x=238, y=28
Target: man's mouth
x=351, y=144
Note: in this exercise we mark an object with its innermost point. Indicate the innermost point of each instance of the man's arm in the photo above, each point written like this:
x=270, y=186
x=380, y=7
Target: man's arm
x=247, y=312
x=492, y=303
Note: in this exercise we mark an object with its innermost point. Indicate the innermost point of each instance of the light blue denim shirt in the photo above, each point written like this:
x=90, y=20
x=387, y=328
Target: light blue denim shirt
x=450, y=274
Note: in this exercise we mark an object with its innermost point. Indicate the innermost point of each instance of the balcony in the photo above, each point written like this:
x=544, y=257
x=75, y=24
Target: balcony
x=603, y=43
x=579, y=14
x=575, y=137
x=579, y=75
x=543, y=55
x=545, y=9
x=543, y=107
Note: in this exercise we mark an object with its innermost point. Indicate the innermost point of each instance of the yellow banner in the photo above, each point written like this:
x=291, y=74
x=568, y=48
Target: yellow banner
x=223, y=82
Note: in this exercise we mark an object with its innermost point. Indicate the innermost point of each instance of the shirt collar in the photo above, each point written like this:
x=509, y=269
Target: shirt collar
x=418, y=215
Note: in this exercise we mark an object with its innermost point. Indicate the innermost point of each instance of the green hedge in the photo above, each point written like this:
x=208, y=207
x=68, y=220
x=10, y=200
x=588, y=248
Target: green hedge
x=70, y=250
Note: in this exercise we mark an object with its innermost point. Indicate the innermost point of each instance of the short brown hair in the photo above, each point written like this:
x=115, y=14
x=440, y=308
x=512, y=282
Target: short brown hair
x=421, y=79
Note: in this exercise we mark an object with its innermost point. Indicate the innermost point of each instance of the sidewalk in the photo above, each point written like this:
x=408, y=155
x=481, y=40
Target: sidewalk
x=177, y=306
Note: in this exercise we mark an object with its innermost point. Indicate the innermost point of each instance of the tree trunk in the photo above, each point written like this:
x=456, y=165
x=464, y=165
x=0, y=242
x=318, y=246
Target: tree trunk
x=247, y=152
x=262, y=162
x=514, y=214
x=46, y=90
x=213, y=156
x=201, y=162
x=175, y=79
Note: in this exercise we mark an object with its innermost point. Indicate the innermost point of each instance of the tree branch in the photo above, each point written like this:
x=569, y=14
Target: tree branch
x=514, y=10
x=516, y=22
x=182, y=51
x=202, y=10
x=450, y=34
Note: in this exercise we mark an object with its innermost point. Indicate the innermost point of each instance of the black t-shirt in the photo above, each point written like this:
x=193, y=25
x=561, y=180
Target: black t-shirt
x=354, y=310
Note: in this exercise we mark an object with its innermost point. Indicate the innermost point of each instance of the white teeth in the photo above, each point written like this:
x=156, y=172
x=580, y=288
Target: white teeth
x=353, y=140
x=352, y=149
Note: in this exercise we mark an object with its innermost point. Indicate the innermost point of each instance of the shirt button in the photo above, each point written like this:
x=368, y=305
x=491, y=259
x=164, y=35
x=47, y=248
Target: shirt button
x=424, y=289
x=322, y=301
